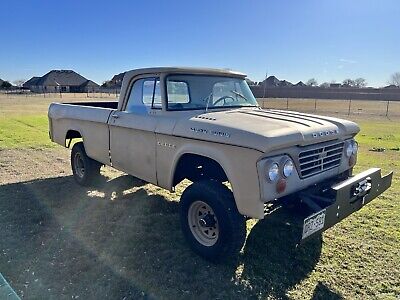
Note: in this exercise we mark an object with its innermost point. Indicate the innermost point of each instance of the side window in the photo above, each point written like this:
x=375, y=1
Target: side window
x=148, y=90
x=145, y=94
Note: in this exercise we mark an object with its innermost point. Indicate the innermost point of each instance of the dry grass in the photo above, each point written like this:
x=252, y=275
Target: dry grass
x=121, y=239
x=17, y=104
x=335, y=107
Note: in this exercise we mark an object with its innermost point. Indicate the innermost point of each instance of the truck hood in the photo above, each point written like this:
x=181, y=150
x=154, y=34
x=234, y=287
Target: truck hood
x=264, y=129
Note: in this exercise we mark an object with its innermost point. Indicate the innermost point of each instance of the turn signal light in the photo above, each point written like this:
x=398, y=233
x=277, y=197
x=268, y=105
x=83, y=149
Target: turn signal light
x=281, y=185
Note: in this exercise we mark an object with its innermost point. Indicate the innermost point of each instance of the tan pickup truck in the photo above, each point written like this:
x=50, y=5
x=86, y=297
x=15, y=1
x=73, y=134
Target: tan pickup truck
x=205, y=125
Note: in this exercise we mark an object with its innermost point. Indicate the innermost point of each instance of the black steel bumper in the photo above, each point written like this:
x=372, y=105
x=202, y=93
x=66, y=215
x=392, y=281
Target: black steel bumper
x=342, y=199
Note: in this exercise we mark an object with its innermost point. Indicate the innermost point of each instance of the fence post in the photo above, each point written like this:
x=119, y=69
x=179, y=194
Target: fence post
x=287, y=103
x=387, y=108
x=348, y=113
x=315, y=105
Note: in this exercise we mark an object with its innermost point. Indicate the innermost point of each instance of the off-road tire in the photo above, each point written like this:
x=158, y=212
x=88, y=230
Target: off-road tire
x=91, y=173
x=232, y=225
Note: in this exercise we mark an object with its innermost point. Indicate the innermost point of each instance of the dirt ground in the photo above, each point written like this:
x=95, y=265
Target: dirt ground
x=114, y=240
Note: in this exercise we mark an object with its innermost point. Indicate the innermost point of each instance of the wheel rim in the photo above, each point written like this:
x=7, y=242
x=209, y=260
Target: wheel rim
x=79, y=165
x=203, y=223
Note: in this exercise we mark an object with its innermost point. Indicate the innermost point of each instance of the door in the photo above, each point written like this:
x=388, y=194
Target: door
x=132, y=130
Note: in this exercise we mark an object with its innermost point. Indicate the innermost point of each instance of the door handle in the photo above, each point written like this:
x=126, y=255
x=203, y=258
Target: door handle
x=115, y=116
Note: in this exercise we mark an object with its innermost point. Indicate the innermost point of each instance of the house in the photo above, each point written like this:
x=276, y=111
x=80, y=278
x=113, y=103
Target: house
x=117, y=79
x=31, y=82
x=391, y=86
x=4, y=84
x=272, y=81
x=300, y=84
x=60, y=81
x=335, y=85
x=115, y=82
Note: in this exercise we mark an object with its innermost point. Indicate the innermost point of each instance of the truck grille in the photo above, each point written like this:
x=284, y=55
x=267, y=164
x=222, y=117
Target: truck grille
x=320, y=159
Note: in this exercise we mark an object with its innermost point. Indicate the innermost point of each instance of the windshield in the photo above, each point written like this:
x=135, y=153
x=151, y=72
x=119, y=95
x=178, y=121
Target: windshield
x=187, y=92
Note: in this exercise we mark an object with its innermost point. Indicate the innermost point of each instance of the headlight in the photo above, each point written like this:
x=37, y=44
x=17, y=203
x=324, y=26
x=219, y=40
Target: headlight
x=355, y=148
x=349, y=148
x=288, y=168
x=273, y=172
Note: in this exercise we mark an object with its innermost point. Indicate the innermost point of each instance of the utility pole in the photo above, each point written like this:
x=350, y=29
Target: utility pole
x=265, y=84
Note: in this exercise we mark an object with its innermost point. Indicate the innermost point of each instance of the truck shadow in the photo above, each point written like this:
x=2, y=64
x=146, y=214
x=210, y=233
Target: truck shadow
x=122, y=238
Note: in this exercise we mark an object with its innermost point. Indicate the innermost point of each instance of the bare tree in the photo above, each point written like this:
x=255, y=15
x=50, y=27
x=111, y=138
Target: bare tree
x=19, y=82
x=395, y=79
x=312, y=82
x=348, y=82
x=360, y=82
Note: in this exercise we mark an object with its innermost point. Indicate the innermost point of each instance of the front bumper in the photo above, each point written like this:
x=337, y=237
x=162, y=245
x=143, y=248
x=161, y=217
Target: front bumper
x=341, y=200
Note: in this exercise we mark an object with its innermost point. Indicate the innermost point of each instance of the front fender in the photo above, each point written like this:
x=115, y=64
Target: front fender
x=238, y=163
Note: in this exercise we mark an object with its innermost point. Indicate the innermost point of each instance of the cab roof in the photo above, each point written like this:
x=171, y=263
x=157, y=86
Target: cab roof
x=185, y=70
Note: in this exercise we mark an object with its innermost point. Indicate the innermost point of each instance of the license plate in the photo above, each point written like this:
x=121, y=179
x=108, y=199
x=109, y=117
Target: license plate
x=313, y=223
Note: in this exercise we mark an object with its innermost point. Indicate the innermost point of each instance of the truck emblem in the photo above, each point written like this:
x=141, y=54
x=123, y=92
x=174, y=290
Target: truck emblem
x=212, y=132
x=164, y=144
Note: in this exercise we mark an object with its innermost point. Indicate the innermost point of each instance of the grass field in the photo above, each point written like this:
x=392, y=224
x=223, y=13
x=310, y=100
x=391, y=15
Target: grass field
x=122, y=238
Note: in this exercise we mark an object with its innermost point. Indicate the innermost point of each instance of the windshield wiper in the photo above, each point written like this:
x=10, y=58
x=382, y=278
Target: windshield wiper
x=208, y=98
x=239, y=94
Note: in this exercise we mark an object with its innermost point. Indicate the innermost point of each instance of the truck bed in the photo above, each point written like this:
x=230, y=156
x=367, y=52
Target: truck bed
x=88, y=120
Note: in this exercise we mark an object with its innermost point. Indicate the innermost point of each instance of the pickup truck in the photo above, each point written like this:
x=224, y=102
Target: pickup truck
x=204, y=125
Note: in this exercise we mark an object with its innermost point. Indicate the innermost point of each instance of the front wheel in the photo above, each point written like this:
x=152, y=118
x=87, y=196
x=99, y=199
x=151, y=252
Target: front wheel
x=210, y=221
x=86, y=171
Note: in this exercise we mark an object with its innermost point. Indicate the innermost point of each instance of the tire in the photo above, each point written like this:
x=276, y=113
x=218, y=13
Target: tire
x=86, y=171
x=210, y=220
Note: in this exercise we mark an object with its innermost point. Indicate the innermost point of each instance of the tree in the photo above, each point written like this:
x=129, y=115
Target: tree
x=19, y=82
x=360, y=82
x=5, y=85
x=312, y=82
x=395, y=79
x=348, y=82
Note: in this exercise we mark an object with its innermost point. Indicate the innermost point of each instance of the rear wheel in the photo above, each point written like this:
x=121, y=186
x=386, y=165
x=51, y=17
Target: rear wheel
x=86, y=171
x=210, y=221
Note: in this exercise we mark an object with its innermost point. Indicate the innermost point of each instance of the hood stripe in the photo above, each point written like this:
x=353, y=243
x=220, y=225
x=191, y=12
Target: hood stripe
x=322, y=118
x=280, y=113
x=274, y=118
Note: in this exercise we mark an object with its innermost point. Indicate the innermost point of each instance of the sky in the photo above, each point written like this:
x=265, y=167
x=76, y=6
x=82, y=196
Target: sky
x=293, y=40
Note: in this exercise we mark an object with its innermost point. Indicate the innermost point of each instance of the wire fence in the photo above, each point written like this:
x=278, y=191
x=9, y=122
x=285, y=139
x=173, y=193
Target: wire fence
x=331, y=107
x=106, y=94
x=322, y=106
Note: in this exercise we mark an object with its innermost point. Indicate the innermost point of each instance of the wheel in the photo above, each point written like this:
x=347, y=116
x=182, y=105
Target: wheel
x=210, y=220
x=85, y=170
